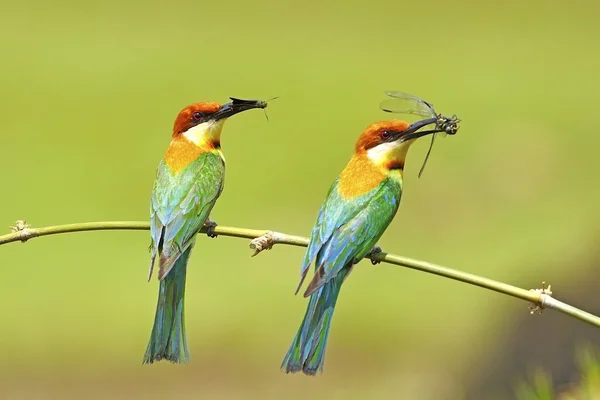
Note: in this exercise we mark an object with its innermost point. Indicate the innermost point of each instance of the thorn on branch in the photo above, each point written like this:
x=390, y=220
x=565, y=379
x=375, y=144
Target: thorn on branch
x=264, y=242
x=544, y=291
x=22, y=228
x=20, y=225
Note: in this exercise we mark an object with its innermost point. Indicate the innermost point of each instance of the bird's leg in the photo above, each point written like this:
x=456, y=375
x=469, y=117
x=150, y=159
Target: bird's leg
x=376, y=250
x=210, y=228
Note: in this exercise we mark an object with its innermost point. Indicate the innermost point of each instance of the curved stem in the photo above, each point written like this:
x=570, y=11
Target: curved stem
x=264, y=240
x=22, y=232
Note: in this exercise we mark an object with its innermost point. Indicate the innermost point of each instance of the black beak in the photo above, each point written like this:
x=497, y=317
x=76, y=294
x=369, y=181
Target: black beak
x=237, y=106
x=411, y=133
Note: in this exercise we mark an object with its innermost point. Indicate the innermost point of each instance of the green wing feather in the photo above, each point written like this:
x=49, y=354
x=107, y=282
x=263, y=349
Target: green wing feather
x=181, y=203
x=334, y=212
x=347, y=230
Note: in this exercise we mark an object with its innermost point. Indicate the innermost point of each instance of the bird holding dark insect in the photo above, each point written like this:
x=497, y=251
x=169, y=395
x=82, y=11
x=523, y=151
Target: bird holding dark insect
x=359, y=206
x=188, y=182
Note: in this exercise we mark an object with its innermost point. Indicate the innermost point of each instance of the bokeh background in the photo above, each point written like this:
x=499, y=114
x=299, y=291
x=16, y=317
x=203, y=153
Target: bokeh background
x=88, y=94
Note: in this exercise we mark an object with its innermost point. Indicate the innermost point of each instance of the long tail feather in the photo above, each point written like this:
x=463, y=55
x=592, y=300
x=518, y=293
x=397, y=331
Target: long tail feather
x=168, y=340
x=307, y=351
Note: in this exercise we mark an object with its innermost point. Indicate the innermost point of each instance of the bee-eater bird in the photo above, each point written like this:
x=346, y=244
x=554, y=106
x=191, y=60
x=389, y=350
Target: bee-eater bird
x=188, y=182
x=359, y=206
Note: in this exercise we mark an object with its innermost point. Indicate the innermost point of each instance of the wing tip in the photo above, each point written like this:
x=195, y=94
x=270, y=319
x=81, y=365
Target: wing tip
x=164, y=266
x=151, y=268
x=302, y=277
x=316, y=282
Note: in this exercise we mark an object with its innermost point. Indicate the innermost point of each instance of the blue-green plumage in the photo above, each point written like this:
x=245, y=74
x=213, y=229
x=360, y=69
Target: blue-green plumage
x=168, y=340
x=346, y=231
x=181, y=204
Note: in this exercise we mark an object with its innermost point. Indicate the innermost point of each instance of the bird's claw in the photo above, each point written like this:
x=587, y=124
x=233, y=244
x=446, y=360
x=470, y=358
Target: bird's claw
x=376, y=250
x=210, y=228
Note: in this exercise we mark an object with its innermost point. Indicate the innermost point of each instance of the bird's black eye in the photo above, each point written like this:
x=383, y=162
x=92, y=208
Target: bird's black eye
x=197, y=116
x=385, y=135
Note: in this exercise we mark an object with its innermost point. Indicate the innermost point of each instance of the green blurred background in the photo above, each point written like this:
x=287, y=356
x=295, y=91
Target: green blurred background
x=89, y=92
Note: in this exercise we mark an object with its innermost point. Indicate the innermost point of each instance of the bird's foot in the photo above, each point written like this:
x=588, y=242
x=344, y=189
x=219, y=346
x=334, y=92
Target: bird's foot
x=210, y=228
x=376, y=250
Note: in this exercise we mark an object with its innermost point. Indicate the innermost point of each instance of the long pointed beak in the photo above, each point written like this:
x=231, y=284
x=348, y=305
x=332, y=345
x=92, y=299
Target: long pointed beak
x=412, y=132
x=237, y=106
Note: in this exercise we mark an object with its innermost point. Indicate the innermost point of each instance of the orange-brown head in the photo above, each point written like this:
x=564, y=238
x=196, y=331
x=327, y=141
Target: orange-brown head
x=203, y=122
x=193, y=115
x=197, y=129
x=380, y=153
x=386, y=143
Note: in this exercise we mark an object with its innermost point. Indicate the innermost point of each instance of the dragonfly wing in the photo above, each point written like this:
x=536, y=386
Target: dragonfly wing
x=404, y=103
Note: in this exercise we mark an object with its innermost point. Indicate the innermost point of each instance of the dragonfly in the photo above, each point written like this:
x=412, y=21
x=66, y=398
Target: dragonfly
x=404, y=103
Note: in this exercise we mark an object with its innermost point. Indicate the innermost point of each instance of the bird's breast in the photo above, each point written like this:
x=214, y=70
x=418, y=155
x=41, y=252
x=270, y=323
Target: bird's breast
x=359, y=177
x=182, y=152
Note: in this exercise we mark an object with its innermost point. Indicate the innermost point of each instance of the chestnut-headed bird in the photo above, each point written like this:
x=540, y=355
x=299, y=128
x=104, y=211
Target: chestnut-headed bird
x=188, y=182
x=359, y=206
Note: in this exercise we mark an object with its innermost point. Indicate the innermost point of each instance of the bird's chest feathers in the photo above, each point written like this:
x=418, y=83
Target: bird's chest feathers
x=182, y=152
x=359, y=177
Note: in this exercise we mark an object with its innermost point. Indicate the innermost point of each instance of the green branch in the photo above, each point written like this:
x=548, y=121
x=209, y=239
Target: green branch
x=264, y=240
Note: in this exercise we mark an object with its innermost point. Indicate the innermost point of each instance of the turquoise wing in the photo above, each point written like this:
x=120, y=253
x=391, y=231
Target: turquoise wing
x=334, y=213
x=181, y=203
x=349, y=229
